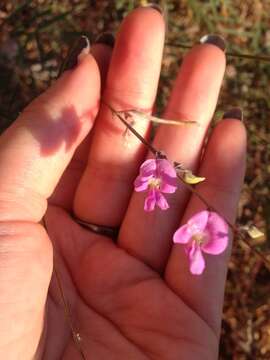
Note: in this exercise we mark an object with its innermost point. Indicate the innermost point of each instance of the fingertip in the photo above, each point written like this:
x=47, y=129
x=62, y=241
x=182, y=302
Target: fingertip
x=78, y=89
x=209, y=54
x=230, y=134
x=86, y=74
x=198, y=81
x=225, y=156
x=215, y=40
x=151, y=12
x=102, y=54
x=134, y=31
x=136, y=59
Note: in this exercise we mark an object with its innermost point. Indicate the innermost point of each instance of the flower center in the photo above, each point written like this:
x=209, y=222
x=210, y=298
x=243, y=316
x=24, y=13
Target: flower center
x=200, y=238
x=154, y=183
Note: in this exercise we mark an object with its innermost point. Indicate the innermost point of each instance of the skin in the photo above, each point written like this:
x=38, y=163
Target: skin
x=133, y=298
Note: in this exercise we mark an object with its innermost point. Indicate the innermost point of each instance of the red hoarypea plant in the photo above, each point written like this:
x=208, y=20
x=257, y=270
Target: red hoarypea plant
x=158, y=176
x=205, y=232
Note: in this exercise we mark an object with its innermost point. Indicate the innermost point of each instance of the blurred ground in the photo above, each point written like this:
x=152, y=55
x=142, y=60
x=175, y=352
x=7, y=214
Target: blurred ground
x=34, y=39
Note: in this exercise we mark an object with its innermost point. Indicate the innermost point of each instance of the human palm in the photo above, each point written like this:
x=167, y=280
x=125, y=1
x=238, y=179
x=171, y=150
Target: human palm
x=122, y=308
x=132, y=297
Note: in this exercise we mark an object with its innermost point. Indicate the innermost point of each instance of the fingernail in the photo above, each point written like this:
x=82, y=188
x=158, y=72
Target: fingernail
x=105, y=38
x=156, y=7
x=214, y=40
x=234, y=113
x=77, y=52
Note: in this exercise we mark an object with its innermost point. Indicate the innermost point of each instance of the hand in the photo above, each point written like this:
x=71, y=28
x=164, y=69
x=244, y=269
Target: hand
x=133, y=298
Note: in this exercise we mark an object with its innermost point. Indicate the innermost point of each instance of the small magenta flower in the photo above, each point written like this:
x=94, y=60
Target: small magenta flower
x=158, y=176
x=205, y=232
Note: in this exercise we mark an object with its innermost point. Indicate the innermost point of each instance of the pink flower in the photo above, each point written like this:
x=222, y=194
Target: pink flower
x=158, y=176
x=205, y=232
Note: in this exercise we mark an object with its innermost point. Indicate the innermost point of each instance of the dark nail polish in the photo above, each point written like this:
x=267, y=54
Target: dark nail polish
x=105, y=38
x=81, y=46
x=234, y=113
x=214, y=40
x=156, y=7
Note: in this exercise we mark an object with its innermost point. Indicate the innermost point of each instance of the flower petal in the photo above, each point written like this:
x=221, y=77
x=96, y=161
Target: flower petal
x=148, y=168
x=165, y=167
x=198, y=221
x=168, y=184
x=140, y=184
x=192, y=179
x=150, y=201
x=218, y=232
x=197, y=262
x=161, y=201
x=182, y=235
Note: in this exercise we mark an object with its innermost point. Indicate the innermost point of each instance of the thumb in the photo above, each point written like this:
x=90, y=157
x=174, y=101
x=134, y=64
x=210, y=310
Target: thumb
x=36, y=149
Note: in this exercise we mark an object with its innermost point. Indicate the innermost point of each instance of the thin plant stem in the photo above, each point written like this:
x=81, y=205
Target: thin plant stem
x=155, y=152
x=75, y=334
x=228, y=53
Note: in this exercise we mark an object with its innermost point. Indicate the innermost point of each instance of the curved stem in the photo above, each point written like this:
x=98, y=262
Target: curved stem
x=155, y=152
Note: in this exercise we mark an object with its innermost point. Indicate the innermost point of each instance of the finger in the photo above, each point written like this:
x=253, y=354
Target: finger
x=223, y=166
x=194, y=97
x=102, y=52
x=36, y=149
x=33, y=154
x=64, y=193
x=131, y=83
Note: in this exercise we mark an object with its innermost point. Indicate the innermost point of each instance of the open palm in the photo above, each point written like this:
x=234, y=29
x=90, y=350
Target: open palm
x=132, y=297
